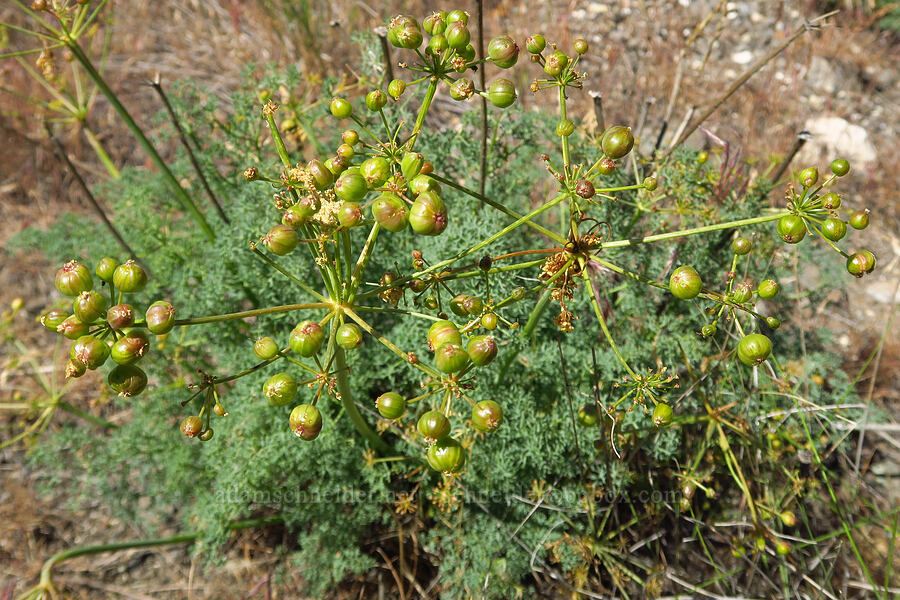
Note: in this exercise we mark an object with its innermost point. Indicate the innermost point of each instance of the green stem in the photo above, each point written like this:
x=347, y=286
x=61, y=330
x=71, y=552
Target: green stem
x=281, y=270
x=565, y=139
x=694, y=231
x=490, y=240
x=100, y=151
x=362, y=261
x=388, y=343
x=423, y=110
x=589, y=289
x=343, y=386
x=186, y=202
x=46, y=581
x=247, y=313
x=480, y=196
x=86, y=415
x=279, y=142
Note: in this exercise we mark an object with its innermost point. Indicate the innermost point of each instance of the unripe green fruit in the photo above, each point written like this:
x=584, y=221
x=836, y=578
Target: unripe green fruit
x=129, y=277
x=859, y=219
x=265, y=348
x=206, y=435
x=280, y=389
x=299, y=214
x=650, y=183
x=468, y=53
x=462, y=89
x=581, y=46
x=782, y=548
x=90, y=351
x=588, y=415
x=73, y=278
x=345, y=151
x=89, y=306
x=708, y=330
x=503, y=51
x=487, y=416
x=350, y=136
x=341, y=108
x=741, y=293
x=809, y=176
x=741, y=246
x=565, y=128
x=535, y=43
x=390, y=212
x=457, y=305
x=831, y=201
x=458, y=35
x=450, y=358
x=428, y=215
x=349, y=336
x=306, y=422
x=322, y=175
x=192, y=426
x=105, y=268
x=556, y=63
x=130, y=348
x=662, y=415
x=423, y=183
x=396, y=88
x=482, y=349
x=840, y=167
x=768, y=288
x=791, y=228
x=376, y=171
x=127, y=380
x=71, y=328
x=773, y=322
x=473, y=305
x=834, y=229
x=788, y=517
x=411, y=165
x=120, y=316
x=53, y=318
x=375, y=100
x=606, y=166
x=861, y=263
x=502, y=93
x=685, y=283
x=160, y=317
x=443, y=332
x=307, y=338
x=351, y=187
x=281, y=240
x=433, y=426
x=350, y=215
x=74, y=369
x=754, y=349
x=617, y=141
x=390, y=405
x=404, y=32
x=457, y=15
x=447, y=456
x=434, y=24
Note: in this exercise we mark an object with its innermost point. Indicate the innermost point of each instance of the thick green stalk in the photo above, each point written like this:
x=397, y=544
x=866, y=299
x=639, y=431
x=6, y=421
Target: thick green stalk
x=343, y=386
x=693, y=231
x=247, y=313
x=186, y=202
x=565, y=139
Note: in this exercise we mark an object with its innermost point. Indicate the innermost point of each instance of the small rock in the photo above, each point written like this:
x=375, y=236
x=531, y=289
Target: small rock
x=835, y=137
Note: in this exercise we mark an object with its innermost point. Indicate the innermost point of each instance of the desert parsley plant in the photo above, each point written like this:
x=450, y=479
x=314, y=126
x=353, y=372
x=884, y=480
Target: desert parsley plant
x=595, y=329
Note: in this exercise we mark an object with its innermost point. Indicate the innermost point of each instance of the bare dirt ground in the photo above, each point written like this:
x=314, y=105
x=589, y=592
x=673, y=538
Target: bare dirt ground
x=847, y=69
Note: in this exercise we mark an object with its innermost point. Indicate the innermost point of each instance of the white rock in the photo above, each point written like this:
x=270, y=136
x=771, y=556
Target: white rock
x=744, y=57
x=834, y=137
